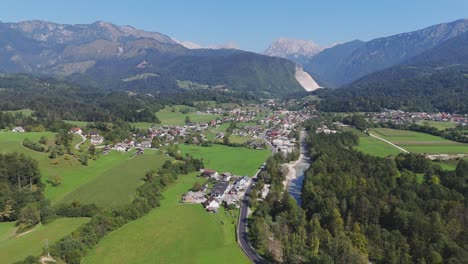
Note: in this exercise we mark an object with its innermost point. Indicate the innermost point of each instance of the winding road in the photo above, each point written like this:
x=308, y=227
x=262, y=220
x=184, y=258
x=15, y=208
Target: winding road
x=77, y=146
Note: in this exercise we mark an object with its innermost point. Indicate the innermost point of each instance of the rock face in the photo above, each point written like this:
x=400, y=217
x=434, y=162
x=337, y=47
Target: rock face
x=306, y=81
x=343, y=64
x=297, y=50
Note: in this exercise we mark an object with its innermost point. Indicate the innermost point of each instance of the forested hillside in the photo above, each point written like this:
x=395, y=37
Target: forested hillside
x=357, y=208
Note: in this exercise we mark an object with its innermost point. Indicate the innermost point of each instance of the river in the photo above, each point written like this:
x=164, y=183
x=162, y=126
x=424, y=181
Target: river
x=294, y=184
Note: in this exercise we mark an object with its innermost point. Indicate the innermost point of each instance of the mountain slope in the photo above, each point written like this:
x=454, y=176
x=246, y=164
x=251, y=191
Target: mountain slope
x=436, y=80
x=337, y=68
x=122, y=57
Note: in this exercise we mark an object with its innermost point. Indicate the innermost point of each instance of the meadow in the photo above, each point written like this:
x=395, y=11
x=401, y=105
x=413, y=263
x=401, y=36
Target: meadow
x=171, y=115
x=110, y=180
x=438, y=124
x=173, y=233
x=417, y=142
x=376, y=147
x=15, y=248
x=237, y=160
x=116, y=184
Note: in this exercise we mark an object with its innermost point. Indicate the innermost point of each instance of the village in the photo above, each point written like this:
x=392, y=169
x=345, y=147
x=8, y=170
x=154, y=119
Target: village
x=402, y=117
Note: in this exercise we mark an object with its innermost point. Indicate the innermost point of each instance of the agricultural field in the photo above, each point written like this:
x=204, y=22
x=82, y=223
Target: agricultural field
x=15, y=247
x=237, y=160
x=417, y=142
x=173, y=116
x=437, y=124
x=115, y=185
x=376, y=147
x=190, y=234
x=109, y=180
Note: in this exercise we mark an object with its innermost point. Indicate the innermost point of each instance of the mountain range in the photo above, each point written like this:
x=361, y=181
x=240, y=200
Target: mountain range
x=298, y=50
x=122, y=57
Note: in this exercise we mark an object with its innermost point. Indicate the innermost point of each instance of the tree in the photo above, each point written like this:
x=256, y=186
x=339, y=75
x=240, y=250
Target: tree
x=43, y=140
x=55, y=180
x=196, y=187
x=29, y=216
x=83, y=159
x=187, y=120
x=92, y=150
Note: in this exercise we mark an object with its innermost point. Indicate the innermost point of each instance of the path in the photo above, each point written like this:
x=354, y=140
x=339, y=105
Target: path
x=386, y=141
x=29, y=231
x=77, y=146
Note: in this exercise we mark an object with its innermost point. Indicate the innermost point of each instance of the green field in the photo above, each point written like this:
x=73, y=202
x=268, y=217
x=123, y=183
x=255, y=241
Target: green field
x=417, y=142
x=25, y=112
x=116, y=184
x=167, y=117
x=438, y=124
x=110, y=180
x=172, y=233
x=237, y=160
x=376, y=147
x=14, y=248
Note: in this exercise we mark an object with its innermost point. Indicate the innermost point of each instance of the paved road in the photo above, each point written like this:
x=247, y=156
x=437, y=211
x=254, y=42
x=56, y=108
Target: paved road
x=386, y=141
x=77, y=146
x=242, y=234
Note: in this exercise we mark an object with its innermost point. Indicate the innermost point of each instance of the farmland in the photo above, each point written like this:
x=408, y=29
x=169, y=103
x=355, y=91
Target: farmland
x=376, y=147
x=417, y=142
x=173, y=115
x=14, y=248
x=110, y=180
x=438, y=124
x=237, y=160
x=190, y=235
x=116, y=184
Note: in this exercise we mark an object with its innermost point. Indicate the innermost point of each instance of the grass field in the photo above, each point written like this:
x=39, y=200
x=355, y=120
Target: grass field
x=417, y=142
x=172, y=233
x=167, y=117
x=438, y=124
x=110, y=180
x=116, y=184
x=376, y=147
x=240, y=161
x=14, y=248
x=25, y=112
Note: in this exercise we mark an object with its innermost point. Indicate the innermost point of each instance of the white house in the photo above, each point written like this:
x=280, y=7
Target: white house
x=242, y=183
x=145, y=144
x=18, y=130
x=76, y=130
x=96, y=140
x=211, y=204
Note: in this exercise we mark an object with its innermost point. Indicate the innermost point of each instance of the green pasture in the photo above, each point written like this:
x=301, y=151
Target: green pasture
x=173, y=233
x=14, y=247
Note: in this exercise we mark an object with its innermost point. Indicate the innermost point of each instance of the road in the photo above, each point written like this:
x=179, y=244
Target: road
x=386, y=141
x=77, y=146
x=242, y=224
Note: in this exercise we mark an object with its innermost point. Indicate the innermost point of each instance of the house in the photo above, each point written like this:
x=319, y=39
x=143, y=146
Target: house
x=18, y=130
x=225, y=176
x=220, y=189
x=76, y=130
x=145, y=144
x=211, y=204
x=209, y=173
x=96, y=140
x=242, y=182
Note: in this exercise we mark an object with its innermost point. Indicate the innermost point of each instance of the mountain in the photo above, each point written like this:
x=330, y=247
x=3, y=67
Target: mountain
x=343, y=64
x=435, y=80
x=124, y=58
x=297, y=50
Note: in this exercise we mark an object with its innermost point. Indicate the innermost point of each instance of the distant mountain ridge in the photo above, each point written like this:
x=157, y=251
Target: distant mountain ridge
x=435, y=80
x=297, y=50
x=345, y=63
x=105, y=54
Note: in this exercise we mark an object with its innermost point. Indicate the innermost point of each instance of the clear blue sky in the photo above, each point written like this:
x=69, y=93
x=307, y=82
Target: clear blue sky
x=252, y=24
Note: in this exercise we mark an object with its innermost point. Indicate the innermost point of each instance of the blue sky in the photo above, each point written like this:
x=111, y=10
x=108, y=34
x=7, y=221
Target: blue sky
x=253, y=24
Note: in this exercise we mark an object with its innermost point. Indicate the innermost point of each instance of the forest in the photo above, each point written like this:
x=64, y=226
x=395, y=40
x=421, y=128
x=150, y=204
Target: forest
x=357, y=208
